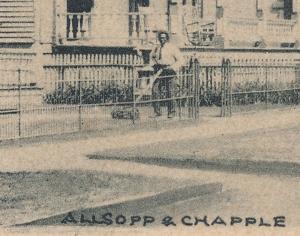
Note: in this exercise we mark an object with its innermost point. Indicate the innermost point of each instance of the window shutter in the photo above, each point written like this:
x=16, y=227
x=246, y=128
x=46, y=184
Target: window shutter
x=16, y=21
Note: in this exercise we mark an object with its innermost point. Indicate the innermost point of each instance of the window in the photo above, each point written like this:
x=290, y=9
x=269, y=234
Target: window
x=77, y=6
x=288, y=9
x=285, y=6
x=259, y=9
x=198, y=4
x=135, y=4
x=144, y=3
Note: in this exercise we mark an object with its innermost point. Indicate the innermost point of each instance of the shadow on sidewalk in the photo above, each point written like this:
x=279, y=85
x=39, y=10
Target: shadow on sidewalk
x=232, y=166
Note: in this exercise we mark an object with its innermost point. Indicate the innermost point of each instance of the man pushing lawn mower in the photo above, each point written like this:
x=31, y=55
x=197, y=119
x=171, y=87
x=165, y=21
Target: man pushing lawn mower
x=160, y=80
x=166, y=60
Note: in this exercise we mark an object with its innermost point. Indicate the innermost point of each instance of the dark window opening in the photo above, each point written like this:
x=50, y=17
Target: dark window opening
x=78, y=6
x=288, y=45
x=288, y=9
x=135, y=4
x=144, y=3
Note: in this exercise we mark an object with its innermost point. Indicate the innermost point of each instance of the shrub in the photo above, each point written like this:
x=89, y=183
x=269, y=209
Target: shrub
x=90, y=94
x=253, y=92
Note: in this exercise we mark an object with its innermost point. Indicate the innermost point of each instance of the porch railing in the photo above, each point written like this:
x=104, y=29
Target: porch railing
x=129, y=27
x=139, y=27
x=240, y=28
x=78, y=25
x=280, y=28
x=253, y=29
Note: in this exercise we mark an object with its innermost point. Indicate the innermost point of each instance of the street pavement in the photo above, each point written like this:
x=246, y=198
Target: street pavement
x=244, y=194
x=72, y=154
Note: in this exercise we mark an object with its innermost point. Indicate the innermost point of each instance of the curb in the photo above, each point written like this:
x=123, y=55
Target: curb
x=130, y=207
x=236, y=166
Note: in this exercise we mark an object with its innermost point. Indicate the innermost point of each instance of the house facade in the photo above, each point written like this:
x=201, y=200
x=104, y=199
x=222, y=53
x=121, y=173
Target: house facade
x=214, y=23
x=38, y=35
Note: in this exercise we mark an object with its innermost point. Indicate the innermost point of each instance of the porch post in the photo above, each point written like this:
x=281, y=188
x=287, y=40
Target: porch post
x=169, y=17
x=60, y=19
x=297, y=18
x=176, y=22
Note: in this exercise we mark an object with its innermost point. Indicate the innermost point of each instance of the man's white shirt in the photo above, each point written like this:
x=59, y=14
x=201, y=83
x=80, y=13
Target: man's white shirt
x=169, y=55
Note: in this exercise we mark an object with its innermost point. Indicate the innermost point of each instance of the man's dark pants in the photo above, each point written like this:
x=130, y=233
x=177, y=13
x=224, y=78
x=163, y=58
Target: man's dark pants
x=165, y=80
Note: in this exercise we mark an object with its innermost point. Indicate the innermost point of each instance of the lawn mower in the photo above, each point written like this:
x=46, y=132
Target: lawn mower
x=125, y=113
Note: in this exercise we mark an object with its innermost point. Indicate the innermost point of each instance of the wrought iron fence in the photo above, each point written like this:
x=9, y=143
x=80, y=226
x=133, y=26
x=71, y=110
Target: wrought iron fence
x=83, y=97
x=87, y=102
x=264, y=87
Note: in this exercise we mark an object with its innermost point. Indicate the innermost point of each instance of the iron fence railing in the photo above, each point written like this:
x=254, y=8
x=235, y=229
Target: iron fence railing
x=264, y=87
x=86, y=97
x=85, y=102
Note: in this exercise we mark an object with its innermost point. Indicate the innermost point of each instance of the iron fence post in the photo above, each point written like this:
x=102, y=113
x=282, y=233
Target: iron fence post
x=80, y=103
x=194, y=83
x=296, y=93
x=222, y=89
x=226, y=90
x=197, y=78
x=295, y=97
x=266, y=86
x=178, y=102
x=19, y=103
x=134, y=101
x=297, y=82
x=226, y=87
x=230, y=87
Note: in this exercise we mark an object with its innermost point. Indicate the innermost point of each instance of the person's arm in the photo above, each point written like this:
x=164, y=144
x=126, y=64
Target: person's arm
x=178, y=59
x=153, y=57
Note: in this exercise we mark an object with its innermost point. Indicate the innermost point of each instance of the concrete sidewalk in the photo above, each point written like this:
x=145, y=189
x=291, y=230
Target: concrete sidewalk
x=73, y=154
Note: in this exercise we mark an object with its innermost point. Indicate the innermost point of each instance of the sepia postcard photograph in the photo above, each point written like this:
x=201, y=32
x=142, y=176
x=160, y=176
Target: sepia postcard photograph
x=149, y=117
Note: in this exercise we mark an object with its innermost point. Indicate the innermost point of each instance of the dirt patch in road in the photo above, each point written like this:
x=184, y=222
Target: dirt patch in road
x=26, y=196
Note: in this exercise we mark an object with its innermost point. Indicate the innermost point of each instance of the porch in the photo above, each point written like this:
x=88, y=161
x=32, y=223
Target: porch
x=136, y=28
x=105, y=23
x=258, y=33
x=83, y=29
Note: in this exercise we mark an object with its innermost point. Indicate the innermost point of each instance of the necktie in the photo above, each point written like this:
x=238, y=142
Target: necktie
x=159, y=53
